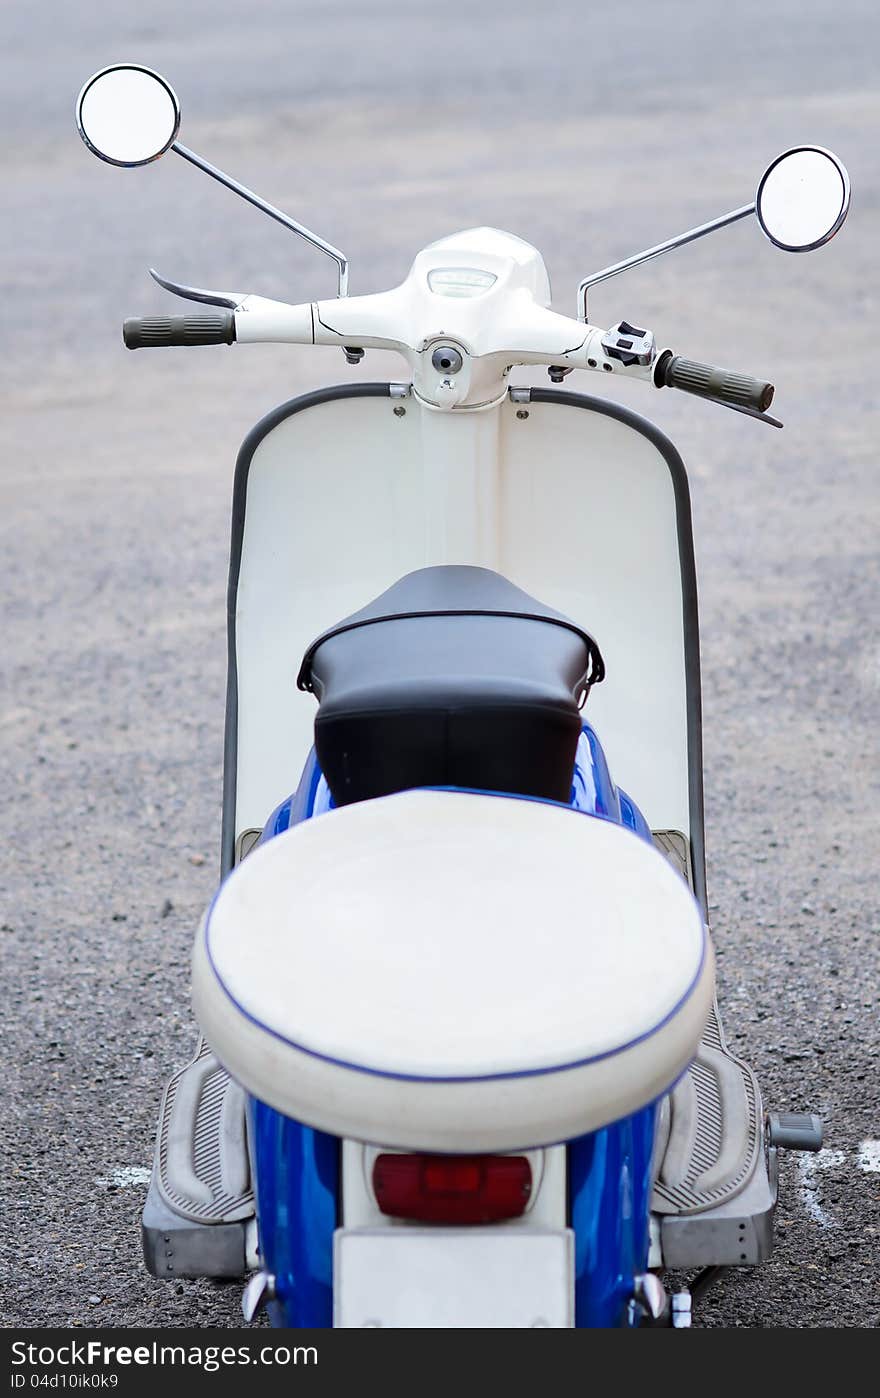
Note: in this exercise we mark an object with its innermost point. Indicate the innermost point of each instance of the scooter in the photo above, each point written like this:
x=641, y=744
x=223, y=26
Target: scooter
x=462, y=1061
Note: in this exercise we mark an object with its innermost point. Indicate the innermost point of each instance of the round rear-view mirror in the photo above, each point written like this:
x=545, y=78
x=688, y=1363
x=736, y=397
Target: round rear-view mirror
x=803, y=198
x=127, y=114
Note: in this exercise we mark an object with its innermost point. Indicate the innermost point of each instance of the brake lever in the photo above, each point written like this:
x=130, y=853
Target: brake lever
x=231, y=299
x=749, y=412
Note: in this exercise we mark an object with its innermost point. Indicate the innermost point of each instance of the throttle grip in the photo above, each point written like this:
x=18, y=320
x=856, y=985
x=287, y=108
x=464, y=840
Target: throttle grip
x=708, y=381
x=148, y=332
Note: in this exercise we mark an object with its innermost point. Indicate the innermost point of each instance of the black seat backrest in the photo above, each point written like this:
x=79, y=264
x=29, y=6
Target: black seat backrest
x=453, y=677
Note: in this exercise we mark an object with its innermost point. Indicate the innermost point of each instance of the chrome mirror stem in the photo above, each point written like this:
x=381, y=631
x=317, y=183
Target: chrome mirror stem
x=339, y=258
x=657, y=251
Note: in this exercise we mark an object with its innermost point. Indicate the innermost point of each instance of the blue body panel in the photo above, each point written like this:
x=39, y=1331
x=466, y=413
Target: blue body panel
x=592, y=789
x=609, y=1182
x=297, y=1169
x=296, y=1178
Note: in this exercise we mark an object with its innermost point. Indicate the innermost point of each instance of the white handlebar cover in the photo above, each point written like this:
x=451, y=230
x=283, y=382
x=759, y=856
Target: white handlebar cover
x=482, y=294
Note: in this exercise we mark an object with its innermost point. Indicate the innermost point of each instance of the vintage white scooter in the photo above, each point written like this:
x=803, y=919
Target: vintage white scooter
x=462, y=1061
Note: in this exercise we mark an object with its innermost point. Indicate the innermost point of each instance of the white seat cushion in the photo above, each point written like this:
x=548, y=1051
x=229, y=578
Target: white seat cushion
x=451, y=971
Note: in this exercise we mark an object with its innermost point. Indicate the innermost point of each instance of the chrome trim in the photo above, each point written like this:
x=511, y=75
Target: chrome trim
x=259, y=1291
x=650, y=253
x=649, y=1294
x=844, y=209
x=338, y=257
x=114, y=68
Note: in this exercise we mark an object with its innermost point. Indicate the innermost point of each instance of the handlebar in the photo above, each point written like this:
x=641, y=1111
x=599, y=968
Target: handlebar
x=395, y=320
x=148, y=332
x=708, y=381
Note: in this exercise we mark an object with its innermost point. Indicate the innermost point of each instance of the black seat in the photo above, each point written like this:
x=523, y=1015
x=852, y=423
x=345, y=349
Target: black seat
x=453, y=677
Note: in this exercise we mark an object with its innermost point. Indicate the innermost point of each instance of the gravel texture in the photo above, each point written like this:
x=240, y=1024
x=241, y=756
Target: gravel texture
x=590, y=132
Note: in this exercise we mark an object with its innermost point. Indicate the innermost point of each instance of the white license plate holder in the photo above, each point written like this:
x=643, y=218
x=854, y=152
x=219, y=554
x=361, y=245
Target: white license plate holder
x=453, y=1278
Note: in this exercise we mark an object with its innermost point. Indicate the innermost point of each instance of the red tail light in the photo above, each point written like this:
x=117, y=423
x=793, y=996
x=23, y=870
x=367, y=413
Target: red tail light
x=452, y=1188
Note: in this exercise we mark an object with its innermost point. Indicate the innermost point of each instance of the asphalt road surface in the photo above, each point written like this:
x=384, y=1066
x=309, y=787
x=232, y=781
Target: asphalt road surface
x=591, y=131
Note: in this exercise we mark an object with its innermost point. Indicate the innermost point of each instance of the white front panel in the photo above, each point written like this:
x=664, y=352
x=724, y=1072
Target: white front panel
x=335, y=515
x=589, y=527
x=455, y=1279
x=337, y=512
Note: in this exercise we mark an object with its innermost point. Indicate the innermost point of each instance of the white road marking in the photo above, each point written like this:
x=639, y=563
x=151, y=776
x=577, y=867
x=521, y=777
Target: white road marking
x=869, y=1157
x=808, y=1165
x=126, y=1176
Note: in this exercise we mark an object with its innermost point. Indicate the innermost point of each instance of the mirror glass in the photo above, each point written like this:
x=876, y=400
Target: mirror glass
x=803, y=198
x=127, y=114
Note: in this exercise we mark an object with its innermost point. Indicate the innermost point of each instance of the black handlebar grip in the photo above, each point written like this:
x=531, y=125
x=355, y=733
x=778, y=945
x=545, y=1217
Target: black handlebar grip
x=147, y=332
x=707, y=381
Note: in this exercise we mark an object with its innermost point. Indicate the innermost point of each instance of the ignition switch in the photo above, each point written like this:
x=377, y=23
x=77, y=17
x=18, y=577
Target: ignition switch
x=446, y=359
